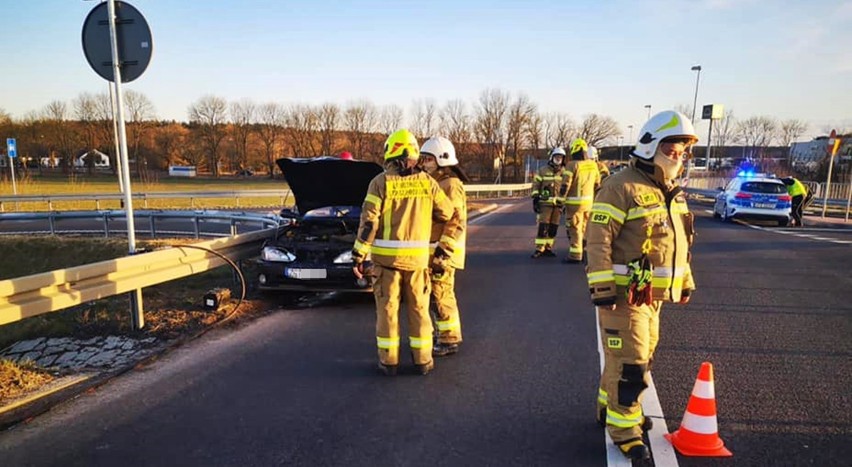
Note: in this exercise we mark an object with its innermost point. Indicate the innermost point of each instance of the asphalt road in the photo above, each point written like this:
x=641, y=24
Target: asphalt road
x=299, y=387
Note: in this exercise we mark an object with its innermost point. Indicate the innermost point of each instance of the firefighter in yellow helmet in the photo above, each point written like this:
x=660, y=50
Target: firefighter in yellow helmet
x=639, y=238
x=580, y=179
x=438, y=159
x=547, y=203
x=396, y=222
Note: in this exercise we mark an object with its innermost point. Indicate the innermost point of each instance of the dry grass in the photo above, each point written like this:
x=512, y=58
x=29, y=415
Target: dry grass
x=19, y=379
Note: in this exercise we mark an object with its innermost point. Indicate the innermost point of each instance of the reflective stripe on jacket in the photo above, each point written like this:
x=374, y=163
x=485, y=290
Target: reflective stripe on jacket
x=580, y=179
x=547, y=185
x=396, y=220
x=454, y=189
x=628, y=203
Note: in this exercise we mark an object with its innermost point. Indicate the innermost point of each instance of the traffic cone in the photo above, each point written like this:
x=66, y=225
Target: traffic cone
x=698, y=434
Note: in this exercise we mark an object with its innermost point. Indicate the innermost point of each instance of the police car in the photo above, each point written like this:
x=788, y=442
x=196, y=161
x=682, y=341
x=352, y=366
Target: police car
x=754, y=196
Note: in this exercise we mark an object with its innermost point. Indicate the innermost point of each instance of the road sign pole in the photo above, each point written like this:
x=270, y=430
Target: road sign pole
x=849, y=197
x=118, y=167
x=832, y=150
x=136, y=315
x=14, y=184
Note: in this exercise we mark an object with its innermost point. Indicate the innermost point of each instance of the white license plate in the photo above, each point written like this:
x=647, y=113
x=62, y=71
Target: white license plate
x=765, y=205
x=298, y=273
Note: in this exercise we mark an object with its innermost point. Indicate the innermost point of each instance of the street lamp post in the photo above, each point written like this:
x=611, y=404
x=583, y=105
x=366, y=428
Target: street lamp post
x=648, y=106
x=630, y=138
x=695, y=99
x=621, y=148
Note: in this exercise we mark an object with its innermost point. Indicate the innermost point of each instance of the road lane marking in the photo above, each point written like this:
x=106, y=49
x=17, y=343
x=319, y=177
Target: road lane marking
x=662, y=451
x=489, y=214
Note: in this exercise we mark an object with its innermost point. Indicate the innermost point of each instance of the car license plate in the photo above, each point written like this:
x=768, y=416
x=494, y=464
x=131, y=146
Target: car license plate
x=305, y=274
x=765, y=205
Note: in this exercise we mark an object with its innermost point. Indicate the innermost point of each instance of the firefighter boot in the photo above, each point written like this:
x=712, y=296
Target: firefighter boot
x=635, y=450
x=444, y=350
x=548, y=251
x=387, y=370
x=425, y=368
x=537, y=254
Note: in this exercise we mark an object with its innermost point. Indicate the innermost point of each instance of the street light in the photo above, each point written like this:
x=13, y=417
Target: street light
x=648, y=106
x=695, y=99
x=630, y=139
x=621, y=148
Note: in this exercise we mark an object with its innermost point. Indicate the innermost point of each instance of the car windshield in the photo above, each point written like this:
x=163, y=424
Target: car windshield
x=763, y=187
x=335, y=211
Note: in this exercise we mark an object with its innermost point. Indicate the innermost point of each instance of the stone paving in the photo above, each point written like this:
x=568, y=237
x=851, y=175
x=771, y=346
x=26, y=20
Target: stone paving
x=66, y=354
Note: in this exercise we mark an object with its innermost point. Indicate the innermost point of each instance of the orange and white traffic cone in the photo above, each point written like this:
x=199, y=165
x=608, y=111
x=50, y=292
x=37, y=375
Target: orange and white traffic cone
x=698, y=434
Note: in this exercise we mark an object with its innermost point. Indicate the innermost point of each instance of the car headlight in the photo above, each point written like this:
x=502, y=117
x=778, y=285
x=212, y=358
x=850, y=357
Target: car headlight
x=271, y=253
x=344, y=258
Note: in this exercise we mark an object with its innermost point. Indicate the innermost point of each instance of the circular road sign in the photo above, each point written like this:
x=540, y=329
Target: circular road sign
x=132, y=35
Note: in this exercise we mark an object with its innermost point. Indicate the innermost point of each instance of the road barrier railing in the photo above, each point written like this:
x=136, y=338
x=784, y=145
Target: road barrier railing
x=47, y=292
x=285, y=196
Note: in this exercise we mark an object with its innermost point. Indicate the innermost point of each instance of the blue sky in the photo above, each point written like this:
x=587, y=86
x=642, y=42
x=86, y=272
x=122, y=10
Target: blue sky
x=788, y=59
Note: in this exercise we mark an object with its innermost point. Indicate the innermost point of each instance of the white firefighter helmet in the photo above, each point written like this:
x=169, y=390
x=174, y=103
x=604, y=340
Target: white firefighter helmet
x=593, y=153
x=557, y=151
x=442, y=149
x=663, y=125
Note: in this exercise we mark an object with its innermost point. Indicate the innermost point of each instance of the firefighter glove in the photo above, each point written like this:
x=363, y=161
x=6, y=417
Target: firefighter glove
x=685, y=296
x=536, y=204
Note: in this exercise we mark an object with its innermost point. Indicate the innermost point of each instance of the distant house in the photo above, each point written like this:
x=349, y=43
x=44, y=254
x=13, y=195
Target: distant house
x=100, y=160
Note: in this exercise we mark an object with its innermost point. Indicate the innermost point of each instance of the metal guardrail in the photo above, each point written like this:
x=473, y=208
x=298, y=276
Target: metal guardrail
x=196, y=218
x=38, y=294
x=283, y=195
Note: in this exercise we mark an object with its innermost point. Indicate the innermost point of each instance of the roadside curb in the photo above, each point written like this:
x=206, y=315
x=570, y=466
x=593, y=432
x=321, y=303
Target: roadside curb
x=481, y=211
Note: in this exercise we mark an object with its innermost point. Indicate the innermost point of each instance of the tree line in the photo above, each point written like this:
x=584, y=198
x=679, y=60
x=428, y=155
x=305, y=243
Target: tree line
x=495, y=133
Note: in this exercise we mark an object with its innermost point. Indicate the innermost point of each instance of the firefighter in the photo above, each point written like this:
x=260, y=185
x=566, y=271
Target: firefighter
x=396, y=221
x=798, y=192
x=602, y=168
x=580, y=180
x=438, y=159
x=638, y=257
x=546, y=202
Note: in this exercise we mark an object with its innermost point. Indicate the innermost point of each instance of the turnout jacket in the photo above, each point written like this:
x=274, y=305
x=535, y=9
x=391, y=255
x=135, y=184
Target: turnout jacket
x=630, y=208
x=580, y=179
x=454, y=189
x=396, y=220
x=547, y=185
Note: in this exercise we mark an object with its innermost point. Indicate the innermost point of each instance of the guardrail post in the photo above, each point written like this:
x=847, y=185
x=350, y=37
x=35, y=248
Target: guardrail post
x=237, y=199
x=97, y=204
x=145, y=200
x=51, y=221
x=196, y=226
x=106, y=225
x=151, y=222
x=233, y=228
x=137, y=315
x=191, y=202
x=49, y=204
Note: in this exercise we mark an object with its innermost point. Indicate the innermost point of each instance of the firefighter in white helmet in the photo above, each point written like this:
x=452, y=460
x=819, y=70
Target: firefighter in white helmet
x=547, y=203
x=602, y=167
x=639, y=238
x=438, y=159
x=396, y=222
x=580, y=179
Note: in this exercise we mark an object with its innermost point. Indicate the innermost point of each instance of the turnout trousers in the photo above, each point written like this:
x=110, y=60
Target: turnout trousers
x=390, y=286
x=796, y=211
x=576, y=219
x=629, y=335
x=446, y=308
x=548, y=223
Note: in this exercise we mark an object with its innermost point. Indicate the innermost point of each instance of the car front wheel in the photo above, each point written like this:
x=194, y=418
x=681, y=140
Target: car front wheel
x=724, y=214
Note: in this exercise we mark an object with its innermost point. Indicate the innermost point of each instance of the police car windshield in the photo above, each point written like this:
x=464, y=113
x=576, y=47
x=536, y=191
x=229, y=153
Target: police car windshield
x=763, y=187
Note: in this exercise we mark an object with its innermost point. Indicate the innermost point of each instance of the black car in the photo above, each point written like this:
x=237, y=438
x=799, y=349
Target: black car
x=312, y=251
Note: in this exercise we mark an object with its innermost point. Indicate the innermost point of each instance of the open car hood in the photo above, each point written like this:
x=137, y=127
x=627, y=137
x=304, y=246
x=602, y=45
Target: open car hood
x=328, y=181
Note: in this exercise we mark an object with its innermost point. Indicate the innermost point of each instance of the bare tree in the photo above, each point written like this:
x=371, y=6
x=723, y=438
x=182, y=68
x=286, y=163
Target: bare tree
x=390, y=119
x=756, y=133
x=596, y=129
x=86, y=111
x=519, y=114
x=455, y=121
x=61, y=134
x=303, y=126
x=329, y=122
x=272, y=119
x=424, y=117
x=490, y=124
x=242, y=117
x=5, y=118
x=791, y=130
x=209, y=113
x=724, y=129
x=558, y=129
x=685, y=109
x=140, y=115
x=360, y=119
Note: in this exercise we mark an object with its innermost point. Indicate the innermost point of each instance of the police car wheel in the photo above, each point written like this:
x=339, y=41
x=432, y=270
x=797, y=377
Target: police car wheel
x=724, y=215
